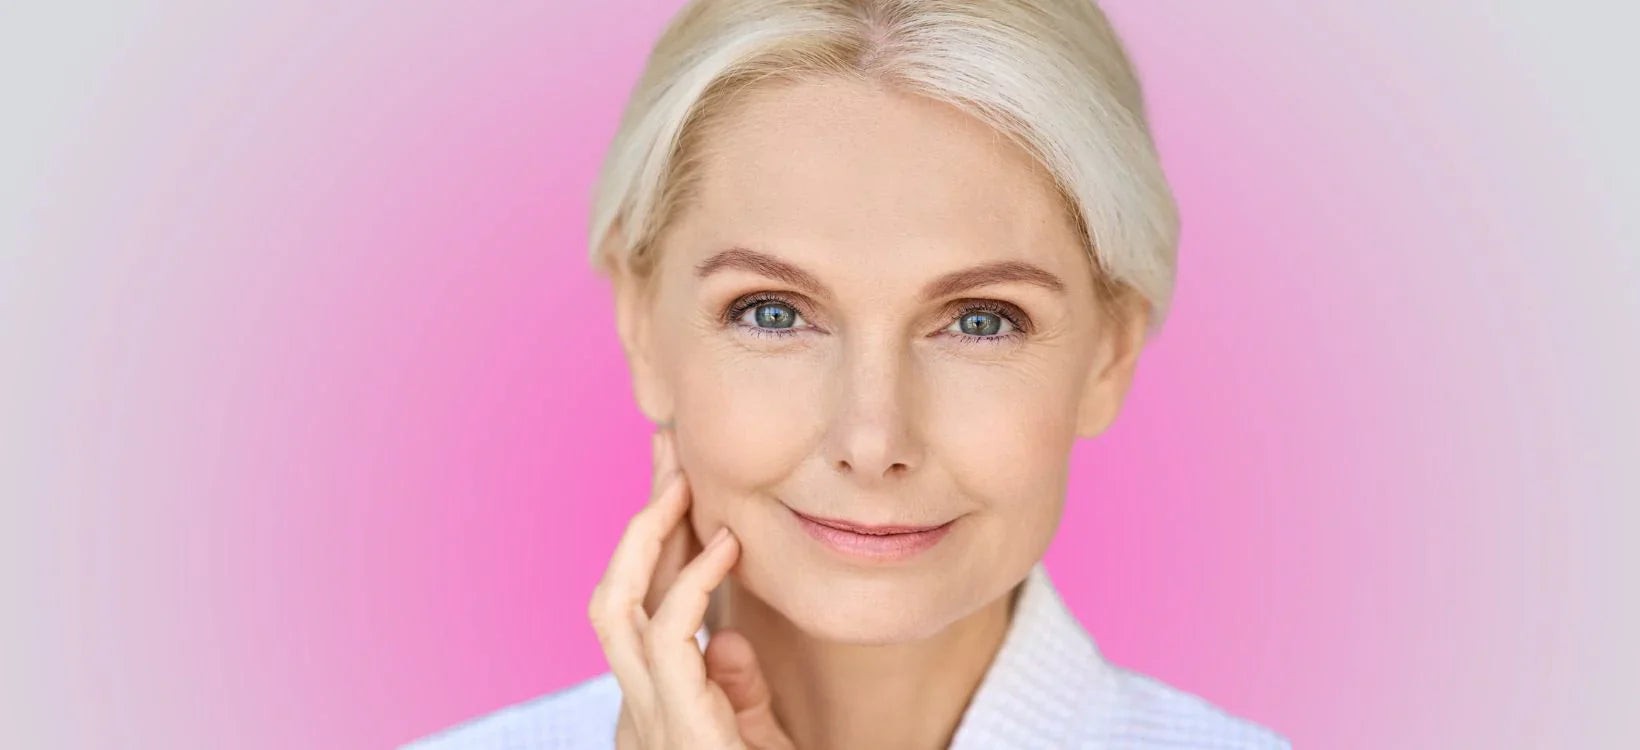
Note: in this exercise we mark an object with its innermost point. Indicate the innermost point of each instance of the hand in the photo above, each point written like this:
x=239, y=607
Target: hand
x=646, y=610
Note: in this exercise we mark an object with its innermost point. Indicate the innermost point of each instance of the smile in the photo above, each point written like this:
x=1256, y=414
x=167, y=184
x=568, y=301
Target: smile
x=873, y=543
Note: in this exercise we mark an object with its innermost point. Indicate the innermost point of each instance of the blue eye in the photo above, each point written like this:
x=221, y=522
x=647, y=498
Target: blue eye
x=768, y=316
x=982, y=324
x=774, y=315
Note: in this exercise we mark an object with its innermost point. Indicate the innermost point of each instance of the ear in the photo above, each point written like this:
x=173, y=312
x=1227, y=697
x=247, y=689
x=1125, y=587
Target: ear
x=1117, y=356
x=635, y=322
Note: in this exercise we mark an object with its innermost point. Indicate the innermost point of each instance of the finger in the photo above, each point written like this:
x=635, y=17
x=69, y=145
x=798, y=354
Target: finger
x=679, y=547
x=675, y=660
x=625, y=582
x=676, y=547
x=662, y=460
x=632, y=565
x=626, y=730
x=732, y=664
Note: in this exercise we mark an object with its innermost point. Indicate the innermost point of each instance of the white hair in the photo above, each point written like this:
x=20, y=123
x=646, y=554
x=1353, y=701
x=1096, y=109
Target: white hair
x=1049, y=74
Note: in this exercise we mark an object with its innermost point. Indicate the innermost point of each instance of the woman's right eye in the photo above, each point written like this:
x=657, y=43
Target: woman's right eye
x=771, y=315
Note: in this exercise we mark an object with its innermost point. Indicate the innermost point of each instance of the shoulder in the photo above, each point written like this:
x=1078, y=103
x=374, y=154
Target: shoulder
x=582, y=715
x=1150, y=713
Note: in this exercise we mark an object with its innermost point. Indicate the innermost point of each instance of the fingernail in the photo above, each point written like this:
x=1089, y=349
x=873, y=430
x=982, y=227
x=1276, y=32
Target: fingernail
x=717, y=538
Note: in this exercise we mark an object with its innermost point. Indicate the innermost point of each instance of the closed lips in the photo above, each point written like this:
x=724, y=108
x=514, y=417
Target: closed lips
x=887, y=543
x=869, y=530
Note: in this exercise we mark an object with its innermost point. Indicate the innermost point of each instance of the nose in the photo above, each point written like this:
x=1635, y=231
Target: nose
x=871, y=436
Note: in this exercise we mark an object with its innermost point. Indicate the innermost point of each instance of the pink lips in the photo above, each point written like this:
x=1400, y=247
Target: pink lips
x=875, y=543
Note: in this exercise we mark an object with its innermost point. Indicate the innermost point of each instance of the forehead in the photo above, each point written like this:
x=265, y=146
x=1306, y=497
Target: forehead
x=850, y=172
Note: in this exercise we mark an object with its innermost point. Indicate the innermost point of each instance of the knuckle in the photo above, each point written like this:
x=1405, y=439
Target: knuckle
x=601, y=625
x=640, y=520
x=602, y=633
x=597, y=605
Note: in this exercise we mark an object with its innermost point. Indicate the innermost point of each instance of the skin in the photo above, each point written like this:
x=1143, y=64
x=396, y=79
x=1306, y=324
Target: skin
x=852, y=394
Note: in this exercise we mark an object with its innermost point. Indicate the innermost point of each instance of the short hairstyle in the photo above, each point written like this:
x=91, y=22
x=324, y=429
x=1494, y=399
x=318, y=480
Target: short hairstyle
x=1049, y=74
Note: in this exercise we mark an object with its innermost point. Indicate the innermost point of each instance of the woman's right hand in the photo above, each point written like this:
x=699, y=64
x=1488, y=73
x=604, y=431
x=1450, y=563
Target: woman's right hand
x=646, y=610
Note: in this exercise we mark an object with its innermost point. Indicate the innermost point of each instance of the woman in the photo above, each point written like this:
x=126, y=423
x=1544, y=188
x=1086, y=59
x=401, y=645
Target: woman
x=877, y=264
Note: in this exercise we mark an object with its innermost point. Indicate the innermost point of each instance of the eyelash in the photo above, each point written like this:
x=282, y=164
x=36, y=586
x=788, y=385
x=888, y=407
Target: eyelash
x=1007, y=312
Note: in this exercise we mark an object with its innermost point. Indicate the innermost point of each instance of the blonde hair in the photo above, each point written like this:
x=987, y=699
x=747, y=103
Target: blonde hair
x=1050, y=74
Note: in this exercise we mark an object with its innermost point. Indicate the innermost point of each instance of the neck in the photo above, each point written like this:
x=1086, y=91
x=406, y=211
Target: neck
x=830, y=695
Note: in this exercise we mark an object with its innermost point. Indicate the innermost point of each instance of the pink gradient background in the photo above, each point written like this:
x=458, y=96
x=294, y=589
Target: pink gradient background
x=322, y=432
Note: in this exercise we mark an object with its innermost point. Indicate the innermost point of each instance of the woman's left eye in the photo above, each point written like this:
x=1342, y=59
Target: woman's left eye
x=982, y=324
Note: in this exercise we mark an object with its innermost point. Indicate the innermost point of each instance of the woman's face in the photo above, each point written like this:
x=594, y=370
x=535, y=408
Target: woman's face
x=874, y=310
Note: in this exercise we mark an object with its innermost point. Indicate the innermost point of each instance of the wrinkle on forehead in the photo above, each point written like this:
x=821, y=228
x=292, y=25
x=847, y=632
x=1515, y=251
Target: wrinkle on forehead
x=863, y=170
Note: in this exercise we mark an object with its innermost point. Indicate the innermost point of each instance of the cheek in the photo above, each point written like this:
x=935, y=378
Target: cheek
x=1006, y=437
x=743, y=423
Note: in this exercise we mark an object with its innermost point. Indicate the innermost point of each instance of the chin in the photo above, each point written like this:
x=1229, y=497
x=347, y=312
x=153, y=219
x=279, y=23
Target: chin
x=868, y=629
x=859, y=610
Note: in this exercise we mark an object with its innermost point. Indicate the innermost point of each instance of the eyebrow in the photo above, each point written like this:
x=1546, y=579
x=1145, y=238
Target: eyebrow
x=763, y=265
x=992, y=273
x=952, y=283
